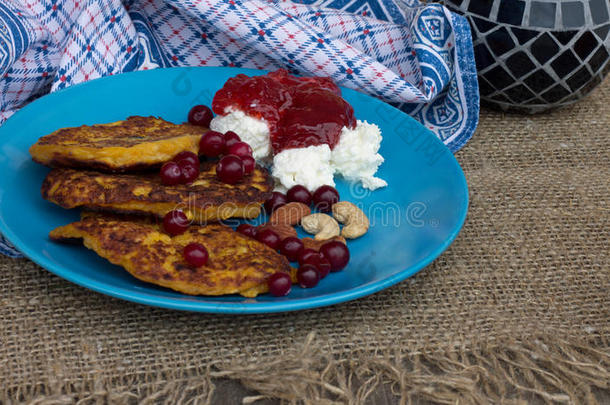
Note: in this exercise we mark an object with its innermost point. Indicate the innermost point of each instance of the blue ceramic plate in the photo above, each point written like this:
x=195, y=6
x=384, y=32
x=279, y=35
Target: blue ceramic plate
x=413, y=220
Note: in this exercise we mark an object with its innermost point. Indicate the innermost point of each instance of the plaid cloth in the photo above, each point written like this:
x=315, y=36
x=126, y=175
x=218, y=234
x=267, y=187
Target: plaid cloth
x=417, y=57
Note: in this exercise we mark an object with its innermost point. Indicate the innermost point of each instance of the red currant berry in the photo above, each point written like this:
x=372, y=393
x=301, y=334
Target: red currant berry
x=276, y=201
x=308, y=276
x=230, y=169
x=189, y=172
x=200, y=115
x=195, y=254
x=247, y=229
x=249, y=164
x=323, y=267
x=299, y=194
x=320, y=263
x=240, y=149
x=336, y=253
x=231, y=138
x=175, y=222
x=186, y=157
x=268, y=237
x=171, y=174
x=212, y=144
x=279, y=284
x=291, y=247
x=324, y=198
x=305, y=254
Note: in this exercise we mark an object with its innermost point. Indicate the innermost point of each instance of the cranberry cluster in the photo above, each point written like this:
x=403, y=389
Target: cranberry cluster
x=175, y=223
x=313, y=265
x=236, y=159
x=182, y=169
x=323, y=198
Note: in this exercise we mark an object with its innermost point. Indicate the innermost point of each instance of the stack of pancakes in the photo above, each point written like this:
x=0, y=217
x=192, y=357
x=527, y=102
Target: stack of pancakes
x=112, y=170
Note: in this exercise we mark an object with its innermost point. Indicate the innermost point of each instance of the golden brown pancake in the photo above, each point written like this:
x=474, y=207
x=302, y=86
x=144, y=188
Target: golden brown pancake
x=132, y=144
x=236, y=265
x=206, y=199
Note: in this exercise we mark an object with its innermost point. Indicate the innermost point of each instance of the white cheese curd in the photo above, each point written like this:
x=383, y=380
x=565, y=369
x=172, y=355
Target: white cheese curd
x=309, y=167
x=356, y=155
x=253, y=131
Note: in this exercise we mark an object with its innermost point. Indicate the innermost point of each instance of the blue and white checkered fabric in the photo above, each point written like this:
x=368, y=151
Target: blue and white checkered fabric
x=418, y=57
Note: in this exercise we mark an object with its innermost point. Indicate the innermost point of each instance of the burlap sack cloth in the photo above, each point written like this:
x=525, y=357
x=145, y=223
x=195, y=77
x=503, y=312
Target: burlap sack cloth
x=517, y=310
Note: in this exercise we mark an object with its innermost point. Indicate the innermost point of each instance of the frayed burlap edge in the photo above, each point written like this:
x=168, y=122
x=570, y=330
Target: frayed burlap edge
x=542, y=368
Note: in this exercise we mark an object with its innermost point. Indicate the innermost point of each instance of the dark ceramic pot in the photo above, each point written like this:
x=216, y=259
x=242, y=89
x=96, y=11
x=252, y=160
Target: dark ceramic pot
x=536, y=55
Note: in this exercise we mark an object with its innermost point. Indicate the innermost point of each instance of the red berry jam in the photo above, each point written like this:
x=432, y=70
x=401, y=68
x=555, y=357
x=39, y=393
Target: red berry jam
x=336, y=253
x=195, y=254
x=200, y=115
x=291, y=247
x=171, y=174
x=308, y=276
x=230, y=169
x=324, y=198
x=212, y=144
x=299, y=194
x=279, y=284
x=175, y=222
x=300, y=111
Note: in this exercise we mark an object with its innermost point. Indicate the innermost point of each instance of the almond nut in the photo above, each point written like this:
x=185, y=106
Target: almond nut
x=289, y=214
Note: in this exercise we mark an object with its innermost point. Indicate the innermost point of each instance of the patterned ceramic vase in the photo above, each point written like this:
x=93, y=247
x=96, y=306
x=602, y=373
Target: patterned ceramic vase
x=535, y=55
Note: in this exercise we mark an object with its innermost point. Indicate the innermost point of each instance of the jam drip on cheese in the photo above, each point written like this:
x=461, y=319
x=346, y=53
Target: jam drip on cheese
x=300, y=111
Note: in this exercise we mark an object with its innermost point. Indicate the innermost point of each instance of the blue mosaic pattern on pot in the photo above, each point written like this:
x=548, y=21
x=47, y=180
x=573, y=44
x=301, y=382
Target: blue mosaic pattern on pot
x=535, y=55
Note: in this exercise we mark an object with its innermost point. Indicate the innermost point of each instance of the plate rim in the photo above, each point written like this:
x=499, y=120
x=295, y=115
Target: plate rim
x=230, y=307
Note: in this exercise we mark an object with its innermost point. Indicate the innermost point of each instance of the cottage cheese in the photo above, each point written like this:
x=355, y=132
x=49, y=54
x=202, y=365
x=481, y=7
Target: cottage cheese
x=309, y=167
x=254, y=132
x=355, y=157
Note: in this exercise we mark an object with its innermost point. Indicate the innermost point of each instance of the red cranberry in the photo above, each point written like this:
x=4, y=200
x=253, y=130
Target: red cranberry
x=300, y=194
x=230, y=169
x=276, y=201
x=247, y=229
x=268, y=237
x=231, y=138
x=195, y=254
x=305, y=254
x=171, y=174
x=240, y=149
x=200, y=115
x=291, y=247
x=175, y=222
x=249, y=164
x=212, y=144
x=336, y=253
x=319, y=262
x=308, y=276
x=186, y=157
x=324, y=198
x=279, y=284
x=189, y=172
